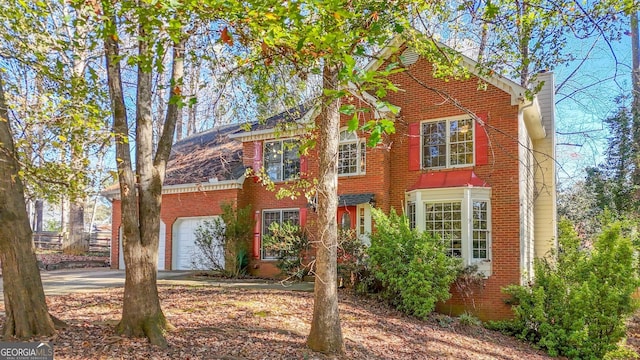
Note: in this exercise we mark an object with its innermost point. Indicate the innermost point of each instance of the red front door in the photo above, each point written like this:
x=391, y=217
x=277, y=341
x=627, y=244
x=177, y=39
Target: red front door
x=347, y=216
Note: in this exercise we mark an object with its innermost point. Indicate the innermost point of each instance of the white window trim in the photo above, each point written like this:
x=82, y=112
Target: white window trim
x=358, y=141
x=264, y=153
x=466, y=195
x=264, y=231
x=365, y=236
x=447, y=119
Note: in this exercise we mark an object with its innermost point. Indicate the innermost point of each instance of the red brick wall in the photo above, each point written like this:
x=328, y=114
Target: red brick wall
x=387, y=176
x=419, y=103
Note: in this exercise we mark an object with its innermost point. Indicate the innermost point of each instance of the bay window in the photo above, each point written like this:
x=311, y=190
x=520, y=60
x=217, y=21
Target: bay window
x=461, y=217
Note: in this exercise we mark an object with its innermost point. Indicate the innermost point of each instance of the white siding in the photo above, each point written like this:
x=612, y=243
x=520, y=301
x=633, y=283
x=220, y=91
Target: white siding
x=545, y=172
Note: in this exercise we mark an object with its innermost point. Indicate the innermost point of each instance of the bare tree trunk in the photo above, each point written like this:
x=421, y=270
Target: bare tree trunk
x=160, y=105
x=193, y=89
x=524, y=38
x=76, y=242
x=39, y=214
x=25, y=306
x=326, y=333
x=635, y=106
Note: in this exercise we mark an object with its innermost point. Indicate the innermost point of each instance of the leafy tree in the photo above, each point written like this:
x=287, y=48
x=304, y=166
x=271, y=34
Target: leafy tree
x=46, y=116
x=291, y=244
x=325, y=39
x=226, y=237
x=141, y=191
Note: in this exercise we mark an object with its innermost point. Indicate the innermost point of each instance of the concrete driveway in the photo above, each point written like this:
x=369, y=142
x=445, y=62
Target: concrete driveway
x=61, y=282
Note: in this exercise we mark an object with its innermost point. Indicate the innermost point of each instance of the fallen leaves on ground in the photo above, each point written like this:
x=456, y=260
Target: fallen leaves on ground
x=46, y=259
x=633, y=332
x=229, y=323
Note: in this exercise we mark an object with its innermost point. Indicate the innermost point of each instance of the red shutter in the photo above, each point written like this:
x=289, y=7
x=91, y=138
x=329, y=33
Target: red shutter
x=304, y=166
x=482, y=140
x=256, y=235
x=414, y=146
x=303, y=217
x=257, y=156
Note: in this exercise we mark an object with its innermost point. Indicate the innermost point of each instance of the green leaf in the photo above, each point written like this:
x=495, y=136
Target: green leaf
x=352, y=124
x=348, y=109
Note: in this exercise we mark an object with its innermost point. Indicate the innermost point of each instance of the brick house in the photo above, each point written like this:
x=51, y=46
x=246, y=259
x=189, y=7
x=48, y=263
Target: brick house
x=481, y=175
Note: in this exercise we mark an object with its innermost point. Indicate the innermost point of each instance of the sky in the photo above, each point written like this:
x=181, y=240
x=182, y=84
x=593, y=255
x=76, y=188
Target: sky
x=580, y=131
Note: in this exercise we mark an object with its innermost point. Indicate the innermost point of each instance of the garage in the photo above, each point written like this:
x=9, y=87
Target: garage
x=186, y=256
x=161, y=248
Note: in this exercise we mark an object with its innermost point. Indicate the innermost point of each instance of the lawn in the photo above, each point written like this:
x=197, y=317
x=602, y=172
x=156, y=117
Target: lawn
x=228, y=323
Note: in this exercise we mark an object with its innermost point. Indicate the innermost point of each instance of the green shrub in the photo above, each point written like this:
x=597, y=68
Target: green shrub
x=412, y=267
x=466, y=319
x=351, y=255
x=291, y=244
x=577, y=306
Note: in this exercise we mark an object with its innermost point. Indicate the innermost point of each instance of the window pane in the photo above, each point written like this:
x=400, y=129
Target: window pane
x=291, y=162
x=411, y=214
x=268, y=218
x=444, y=220
x=363, y=157
x=460, y=142
x=480, y=230
x=280, y=217
x=434, y=144
x=273, y=160
x=348, y=158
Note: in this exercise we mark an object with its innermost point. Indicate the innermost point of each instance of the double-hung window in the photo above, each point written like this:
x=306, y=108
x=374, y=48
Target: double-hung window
x=447, y=143
x=352, y=154
x=281, y=159
x=280, y=216
x=458, y=216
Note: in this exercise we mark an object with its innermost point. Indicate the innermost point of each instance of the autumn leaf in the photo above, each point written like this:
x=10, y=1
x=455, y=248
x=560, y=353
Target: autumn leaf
x=225, y=37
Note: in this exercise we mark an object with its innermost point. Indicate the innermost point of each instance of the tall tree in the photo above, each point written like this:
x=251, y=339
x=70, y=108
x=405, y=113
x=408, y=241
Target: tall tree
x=141, y=190
x=325, y=38
x=33, y=58
x=25, y=306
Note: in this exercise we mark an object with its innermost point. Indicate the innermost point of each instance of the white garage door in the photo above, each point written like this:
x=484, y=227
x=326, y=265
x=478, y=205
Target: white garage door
x=186, y=256
x=161, y=247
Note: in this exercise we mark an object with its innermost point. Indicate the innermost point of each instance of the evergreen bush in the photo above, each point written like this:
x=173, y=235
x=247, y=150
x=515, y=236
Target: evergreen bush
x=577, y=305
x=412, y=267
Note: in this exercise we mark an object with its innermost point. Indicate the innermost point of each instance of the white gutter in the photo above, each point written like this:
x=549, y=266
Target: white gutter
x=533, y=119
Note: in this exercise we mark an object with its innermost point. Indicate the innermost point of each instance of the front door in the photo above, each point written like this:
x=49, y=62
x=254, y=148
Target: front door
x=347, y=216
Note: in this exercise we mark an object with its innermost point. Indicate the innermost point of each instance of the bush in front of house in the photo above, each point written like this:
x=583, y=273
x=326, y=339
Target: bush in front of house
x=289, y=244
x=412, y=267
x=577, y=305
x=351, y=255
x=221, y=243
